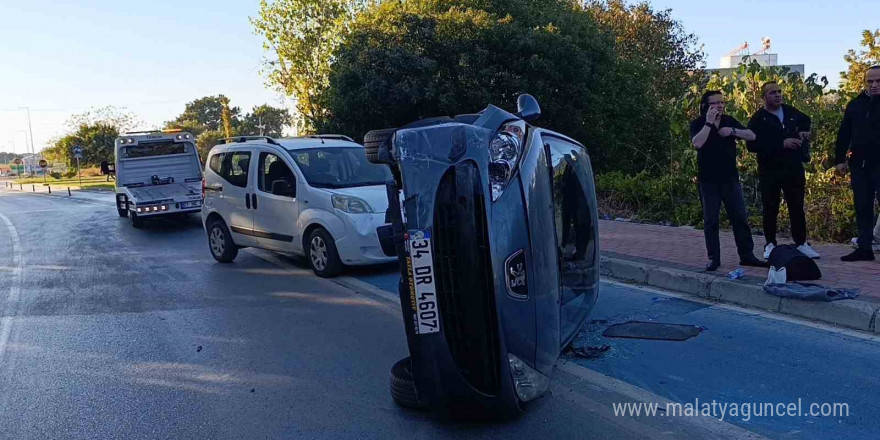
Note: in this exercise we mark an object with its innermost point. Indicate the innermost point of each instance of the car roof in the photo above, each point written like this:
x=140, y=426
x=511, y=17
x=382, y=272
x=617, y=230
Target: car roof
x=297, y=143
x=306, y=142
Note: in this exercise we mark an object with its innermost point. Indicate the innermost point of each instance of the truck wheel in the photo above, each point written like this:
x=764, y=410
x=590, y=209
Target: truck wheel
x=374, y=140
x=136, y=221
x=223, y=249
x=403, y=389
x=122, y=212
x=323, y=256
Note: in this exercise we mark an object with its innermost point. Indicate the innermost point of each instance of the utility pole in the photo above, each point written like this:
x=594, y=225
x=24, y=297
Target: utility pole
x=30, y=128
x=261, y=126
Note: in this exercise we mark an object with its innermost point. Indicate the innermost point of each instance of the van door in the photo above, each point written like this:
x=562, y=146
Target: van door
x=275, y=203
x=237, y=192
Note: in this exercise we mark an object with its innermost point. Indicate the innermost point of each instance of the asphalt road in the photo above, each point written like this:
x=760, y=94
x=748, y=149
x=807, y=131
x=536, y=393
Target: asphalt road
x=112, y=332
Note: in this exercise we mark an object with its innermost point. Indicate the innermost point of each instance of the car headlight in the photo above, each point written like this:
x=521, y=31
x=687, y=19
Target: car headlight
x=351, y=204
x=505, y=151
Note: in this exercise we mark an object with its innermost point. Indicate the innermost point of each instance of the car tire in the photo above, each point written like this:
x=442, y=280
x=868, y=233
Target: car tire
x=136, y=221
x=403, y=388
x=374, y=140
x=220, y=243
x=322, y=254
x=122, y=212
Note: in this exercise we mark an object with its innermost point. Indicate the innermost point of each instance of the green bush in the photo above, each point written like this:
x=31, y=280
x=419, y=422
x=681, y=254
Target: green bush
x=55, y=175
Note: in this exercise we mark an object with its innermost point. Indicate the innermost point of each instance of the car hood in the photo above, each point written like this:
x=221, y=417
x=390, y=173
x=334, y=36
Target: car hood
x=376, y=195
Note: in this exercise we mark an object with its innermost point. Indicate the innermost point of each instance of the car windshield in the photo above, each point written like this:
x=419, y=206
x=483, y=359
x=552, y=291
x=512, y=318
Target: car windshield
x=339, y=167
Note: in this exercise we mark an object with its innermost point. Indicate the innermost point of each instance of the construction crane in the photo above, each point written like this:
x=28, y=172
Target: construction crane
x=765, y=46
x=739, y=50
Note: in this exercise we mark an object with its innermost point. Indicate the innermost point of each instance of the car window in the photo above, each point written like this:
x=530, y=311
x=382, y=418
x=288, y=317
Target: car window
x=272, y=169
x=236, y=168
x=572, y=181
x=215, y=163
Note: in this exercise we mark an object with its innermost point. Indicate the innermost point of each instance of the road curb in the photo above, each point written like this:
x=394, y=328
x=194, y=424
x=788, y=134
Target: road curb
x=853, y=314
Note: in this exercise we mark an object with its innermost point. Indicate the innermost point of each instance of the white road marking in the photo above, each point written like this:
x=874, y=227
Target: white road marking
x=15, y=280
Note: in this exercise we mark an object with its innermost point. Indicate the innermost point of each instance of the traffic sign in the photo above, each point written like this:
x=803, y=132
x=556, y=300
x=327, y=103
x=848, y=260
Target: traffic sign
x=78, y=152
x=43, y=163
x=17, y=161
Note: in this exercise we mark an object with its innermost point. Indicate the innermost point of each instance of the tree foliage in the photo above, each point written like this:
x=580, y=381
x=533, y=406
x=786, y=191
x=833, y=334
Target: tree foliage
x=853, y=80
x=301, y=36
x=211, y=118
x=95, y=131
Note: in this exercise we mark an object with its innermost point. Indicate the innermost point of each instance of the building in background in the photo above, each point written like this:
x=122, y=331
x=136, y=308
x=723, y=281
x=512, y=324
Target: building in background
x=734, y=58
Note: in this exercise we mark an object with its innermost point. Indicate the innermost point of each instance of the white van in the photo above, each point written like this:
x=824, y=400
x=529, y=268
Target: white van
x=317, y=197
x=157, y=174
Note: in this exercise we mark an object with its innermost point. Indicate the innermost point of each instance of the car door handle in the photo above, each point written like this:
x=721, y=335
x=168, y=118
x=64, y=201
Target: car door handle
x=254, y=202
x=247, y=200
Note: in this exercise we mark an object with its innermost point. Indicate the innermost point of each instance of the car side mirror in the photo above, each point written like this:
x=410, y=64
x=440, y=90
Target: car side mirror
x=527, y=107
x=282, y=188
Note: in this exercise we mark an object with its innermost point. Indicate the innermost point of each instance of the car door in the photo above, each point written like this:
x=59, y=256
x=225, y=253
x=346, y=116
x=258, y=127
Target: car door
x=275, y=205
x=576, y=224
x=237, y=190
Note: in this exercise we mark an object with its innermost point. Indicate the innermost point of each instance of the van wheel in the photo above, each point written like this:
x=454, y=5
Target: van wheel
x=136, y=221
x=223, y=249
x=375, y=140
x=403, y=388
x=323, y=256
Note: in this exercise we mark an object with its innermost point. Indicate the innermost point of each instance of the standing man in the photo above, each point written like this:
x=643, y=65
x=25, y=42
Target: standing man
x=860, y=134
x=781, y=132
x=714, y=135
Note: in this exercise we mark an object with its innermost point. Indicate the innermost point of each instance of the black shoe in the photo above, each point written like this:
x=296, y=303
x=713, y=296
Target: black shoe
x=753, y=261
x=712, y=266
x=859, y=255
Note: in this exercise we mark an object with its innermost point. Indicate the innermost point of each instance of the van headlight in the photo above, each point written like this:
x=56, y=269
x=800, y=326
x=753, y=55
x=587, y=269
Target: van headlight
x=505, y=151
x=351, y=204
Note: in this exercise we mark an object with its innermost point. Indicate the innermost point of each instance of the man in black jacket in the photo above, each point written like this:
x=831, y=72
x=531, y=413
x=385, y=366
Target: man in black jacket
x=714, y=135
x=782, y=133
x=860, y=134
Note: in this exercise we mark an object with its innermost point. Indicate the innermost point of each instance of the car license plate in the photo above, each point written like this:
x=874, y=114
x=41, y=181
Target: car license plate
x=421, y=273
x=192, y=204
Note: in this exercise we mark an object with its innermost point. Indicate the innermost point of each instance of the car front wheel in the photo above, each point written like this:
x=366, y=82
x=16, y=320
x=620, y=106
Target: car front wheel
x=322, y=253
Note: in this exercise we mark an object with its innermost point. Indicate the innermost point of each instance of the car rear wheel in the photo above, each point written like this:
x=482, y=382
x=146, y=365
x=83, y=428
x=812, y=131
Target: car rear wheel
x=223, y=249
x=403, y=388
x=323, y=257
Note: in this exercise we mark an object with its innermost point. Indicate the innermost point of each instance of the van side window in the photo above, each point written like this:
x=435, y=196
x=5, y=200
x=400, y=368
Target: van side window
x=215, y=163
x=235, y=168
x=272, y=169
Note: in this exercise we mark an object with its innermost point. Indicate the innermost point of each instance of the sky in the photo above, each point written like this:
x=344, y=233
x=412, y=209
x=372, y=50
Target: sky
x=60, y=58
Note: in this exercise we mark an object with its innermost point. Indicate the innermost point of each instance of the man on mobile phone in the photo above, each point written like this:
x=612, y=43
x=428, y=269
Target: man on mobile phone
x=781, y=131
x=714, y=135
x=860, y=135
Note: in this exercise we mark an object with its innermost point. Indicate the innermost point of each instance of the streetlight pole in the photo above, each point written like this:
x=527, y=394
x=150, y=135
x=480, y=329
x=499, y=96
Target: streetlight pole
x=30, y=128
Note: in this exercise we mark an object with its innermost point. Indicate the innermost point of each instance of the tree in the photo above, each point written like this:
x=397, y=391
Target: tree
x=95, y=131
x=301, y=36
x=408, y=60
x=272, y=119
x=853, y=80
x=226, y=116
x=203, y=114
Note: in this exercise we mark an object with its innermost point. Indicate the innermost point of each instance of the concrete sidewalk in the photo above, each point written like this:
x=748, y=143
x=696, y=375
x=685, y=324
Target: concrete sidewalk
x=673, y=258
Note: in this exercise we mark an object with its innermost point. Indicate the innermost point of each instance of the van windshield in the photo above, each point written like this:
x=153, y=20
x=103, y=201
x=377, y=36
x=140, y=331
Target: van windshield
x=339, y=167
x=160, y=148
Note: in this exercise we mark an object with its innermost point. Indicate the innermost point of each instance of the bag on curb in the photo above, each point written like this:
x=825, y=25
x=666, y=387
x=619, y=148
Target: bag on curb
x=776, y=276
x=798, y=266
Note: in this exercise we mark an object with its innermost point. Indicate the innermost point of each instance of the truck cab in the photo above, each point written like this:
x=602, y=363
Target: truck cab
x=157, y=174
